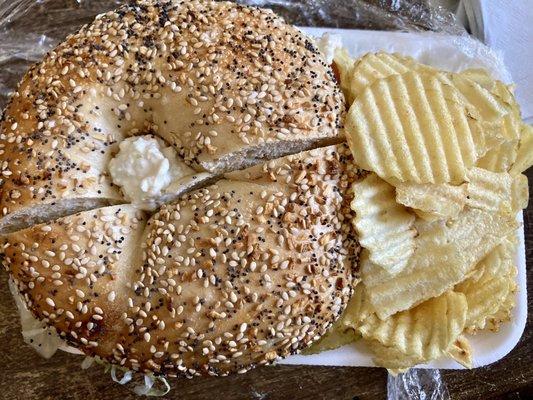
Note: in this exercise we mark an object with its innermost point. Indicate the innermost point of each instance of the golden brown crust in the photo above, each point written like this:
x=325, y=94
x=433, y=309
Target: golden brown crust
x=211, y=78
x=231, y=276
x=75, y=270
x=49, y=151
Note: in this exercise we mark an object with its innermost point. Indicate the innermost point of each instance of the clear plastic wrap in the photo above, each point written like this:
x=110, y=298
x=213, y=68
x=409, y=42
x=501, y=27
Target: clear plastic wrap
x=30, y=28
x=398, y=15
x=417, y=384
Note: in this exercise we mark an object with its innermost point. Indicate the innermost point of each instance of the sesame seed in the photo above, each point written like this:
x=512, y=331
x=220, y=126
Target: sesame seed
x=260, y=99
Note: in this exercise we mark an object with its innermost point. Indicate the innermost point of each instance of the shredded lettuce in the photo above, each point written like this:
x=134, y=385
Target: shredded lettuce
x=125, y=378
x=87, y=362
x=42, y=338
x=147, y=388
x=46, y=341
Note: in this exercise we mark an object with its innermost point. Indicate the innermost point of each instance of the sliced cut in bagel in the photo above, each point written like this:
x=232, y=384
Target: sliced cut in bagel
x=57, y=141
x=41, y=213
x=241, y=86
x=26, y=217
x=225, y=85
x=234, y=275
x=244, y=272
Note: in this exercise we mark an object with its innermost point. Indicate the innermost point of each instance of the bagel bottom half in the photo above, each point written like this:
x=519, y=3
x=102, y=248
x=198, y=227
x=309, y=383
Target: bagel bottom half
x=237, y=274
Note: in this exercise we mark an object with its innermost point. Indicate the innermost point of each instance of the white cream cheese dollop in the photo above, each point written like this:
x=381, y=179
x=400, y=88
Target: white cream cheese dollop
x=328, y=43
x=144, y=168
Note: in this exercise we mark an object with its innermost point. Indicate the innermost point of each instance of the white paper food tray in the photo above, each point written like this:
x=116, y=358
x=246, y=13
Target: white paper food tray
x=452, y=54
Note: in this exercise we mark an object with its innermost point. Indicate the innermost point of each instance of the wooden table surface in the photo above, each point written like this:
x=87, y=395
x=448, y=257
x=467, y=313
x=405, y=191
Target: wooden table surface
x=26, y=376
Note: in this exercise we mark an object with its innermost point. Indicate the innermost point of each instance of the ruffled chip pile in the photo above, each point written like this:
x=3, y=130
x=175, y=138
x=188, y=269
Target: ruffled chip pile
x=436, y=213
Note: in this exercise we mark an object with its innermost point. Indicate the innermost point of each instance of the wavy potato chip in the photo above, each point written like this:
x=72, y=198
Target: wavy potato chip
x=490, y=106
x=511, y=124
x=524, y=158
x=486, y=290
x=502, y=257
x=490, y=290
x=357, y=310
x=506, y=92
x=491, y=191
x=385, y=227
x=474, y=233
x=492, y=100
x=497, y=192
x=391, y=358
x=499, y=113
x=374, y=66
x=480, y=76
x=415, y=128
x=428, y=217
x=519, y=193
x=501, y=158
x=444, y=256
x=503, y=313
x=422, y=333
x=343, y=64
x=336, y=337
x=488, y=102
x=431, y=271
x=432, y=201
x=509, y=127
x=461, y=351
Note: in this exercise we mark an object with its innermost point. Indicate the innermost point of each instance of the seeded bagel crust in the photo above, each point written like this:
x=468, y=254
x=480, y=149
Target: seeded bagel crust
x=234, y=275
x=226, y=85
x=223, y=277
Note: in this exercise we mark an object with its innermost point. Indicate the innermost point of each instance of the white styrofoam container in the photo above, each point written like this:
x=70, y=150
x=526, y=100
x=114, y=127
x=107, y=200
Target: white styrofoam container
x=452, y=54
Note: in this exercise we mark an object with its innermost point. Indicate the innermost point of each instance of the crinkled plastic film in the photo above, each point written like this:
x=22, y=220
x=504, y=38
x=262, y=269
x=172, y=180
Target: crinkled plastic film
x=417, y=384
x=30, y=28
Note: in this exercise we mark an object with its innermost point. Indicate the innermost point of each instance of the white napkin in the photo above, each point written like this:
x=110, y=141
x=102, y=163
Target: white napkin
x=507, y=27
